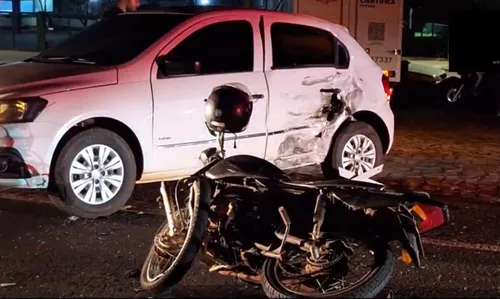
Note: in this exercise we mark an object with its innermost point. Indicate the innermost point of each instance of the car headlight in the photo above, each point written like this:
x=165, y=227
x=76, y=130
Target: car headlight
x=21, y=110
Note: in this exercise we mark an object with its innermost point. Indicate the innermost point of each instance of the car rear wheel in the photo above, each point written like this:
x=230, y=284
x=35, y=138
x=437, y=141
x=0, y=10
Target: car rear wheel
x=357, y=148
x=94, y=174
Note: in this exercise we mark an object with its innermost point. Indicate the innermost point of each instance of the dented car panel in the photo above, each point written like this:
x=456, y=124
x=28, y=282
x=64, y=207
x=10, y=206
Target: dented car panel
x=301, y=132
x=290, y=126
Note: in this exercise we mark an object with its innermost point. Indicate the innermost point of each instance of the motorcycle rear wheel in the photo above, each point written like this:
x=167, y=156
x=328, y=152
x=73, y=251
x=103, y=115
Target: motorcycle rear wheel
x=368, y=287
x=181, y=264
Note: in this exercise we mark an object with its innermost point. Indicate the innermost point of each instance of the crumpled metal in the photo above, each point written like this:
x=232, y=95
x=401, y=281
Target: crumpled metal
x=306, y=147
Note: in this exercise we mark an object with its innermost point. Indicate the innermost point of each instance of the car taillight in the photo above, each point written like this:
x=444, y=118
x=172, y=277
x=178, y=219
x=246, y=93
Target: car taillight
x=387, y=87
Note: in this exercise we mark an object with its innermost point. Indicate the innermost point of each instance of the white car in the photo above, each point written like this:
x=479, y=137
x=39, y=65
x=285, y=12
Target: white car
x=123, y=102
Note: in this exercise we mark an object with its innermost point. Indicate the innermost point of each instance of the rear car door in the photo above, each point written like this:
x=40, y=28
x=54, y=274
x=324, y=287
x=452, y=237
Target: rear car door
x=300, y=61
x=225, y=50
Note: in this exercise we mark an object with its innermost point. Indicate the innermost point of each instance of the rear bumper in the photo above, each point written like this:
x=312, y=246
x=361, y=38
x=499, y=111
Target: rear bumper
x=389, y=122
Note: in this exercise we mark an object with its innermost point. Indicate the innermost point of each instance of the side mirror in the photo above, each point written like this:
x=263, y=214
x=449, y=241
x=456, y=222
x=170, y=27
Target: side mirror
x=177, y=67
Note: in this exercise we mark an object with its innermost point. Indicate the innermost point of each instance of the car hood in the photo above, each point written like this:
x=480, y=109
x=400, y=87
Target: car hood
x=37, y=79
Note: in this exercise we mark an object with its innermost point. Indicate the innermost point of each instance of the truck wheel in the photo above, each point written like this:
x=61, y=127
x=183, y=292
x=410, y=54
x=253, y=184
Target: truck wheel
x=357, y=148
x=94, y=174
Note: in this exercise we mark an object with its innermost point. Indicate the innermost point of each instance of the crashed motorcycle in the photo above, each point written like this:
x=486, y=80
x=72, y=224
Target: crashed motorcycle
x=248, y=219
x=477, y=86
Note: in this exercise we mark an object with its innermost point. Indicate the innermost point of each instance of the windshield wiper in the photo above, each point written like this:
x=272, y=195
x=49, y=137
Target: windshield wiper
x=62, y=59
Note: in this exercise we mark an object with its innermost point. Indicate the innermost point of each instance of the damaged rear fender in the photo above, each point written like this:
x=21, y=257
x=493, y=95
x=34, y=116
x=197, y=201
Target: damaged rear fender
x=398, y=225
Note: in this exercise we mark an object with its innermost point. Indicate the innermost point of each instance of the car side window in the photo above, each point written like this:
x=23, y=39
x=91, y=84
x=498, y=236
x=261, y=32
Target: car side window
x=299, y=46
x=225, y=47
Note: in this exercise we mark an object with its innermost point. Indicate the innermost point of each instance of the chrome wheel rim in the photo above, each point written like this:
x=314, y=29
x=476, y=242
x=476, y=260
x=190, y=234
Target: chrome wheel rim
x=359, y=154
x=96, y=174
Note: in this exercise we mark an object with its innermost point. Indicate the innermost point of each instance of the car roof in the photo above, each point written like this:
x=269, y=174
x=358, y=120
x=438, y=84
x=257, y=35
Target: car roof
x=194, y=10
x=191, y=9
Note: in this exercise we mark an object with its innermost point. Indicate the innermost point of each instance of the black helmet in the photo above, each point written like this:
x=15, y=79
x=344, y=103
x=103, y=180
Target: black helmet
x=228, y=109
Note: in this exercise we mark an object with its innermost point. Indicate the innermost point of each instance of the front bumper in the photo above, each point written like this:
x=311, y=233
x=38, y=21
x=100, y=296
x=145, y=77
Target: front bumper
x=38, y=182
x=16, y=173
x=25, y=154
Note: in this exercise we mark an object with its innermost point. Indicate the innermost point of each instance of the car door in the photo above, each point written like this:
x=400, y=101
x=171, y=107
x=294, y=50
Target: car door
x=300, y=61
x=213, y=52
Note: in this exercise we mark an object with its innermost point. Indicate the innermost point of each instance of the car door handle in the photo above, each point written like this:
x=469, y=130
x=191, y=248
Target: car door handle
x=330, y=90
x=257, y=96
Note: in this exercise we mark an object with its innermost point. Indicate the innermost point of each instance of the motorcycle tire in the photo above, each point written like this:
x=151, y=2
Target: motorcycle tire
x=447, y=89
x=370, y=287
x=185, y=258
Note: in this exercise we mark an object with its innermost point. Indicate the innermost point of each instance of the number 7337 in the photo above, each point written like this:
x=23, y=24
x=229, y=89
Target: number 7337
x=382, y=59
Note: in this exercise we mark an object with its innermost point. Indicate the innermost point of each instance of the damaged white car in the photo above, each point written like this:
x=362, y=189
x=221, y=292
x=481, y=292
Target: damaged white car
x=123, y=102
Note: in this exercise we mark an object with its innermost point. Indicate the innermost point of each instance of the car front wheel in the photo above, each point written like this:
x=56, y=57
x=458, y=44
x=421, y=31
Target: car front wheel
x=94, y=174
x=357, y=148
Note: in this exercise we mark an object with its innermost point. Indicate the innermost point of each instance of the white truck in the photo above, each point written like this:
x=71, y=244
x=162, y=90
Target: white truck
x=375, y=24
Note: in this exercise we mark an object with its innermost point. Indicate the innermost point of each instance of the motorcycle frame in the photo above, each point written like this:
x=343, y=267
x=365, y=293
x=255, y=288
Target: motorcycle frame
x=275, y=249
x=400, y=218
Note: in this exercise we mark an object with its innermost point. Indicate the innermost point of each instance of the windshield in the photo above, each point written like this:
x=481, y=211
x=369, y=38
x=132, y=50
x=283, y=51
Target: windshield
x=116, y=40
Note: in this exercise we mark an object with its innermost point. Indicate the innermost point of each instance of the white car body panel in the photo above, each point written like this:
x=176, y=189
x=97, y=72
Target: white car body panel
x=166, y=113
x=181, y=135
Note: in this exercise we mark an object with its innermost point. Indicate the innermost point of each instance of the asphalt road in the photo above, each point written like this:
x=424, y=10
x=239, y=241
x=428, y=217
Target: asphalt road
x=46, y=254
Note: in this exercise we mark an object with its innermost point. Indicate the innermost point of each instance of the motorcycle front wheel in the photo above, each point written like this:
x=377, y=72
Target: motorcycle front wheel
x=170, y=258
x=295, y=278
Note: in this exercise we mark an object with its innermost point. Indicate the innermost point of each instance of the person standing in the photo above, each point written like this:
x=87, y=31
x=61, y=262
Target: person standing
x=120, y=7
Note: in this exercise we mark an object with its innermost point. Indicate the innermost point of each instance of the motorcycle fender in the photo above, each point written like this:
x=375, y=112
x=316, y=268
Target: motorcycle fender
x=397, y=224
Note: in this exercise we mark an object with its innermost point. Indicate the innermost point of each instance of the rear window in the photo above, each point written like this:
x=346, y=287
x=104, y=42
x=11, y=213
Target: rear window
x=118, y=39
x=299, y=46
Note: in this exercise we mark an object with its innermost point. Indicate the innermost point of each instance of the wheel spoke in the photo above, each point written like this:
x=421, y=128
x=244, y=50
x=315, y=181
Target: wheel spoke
x=114, y=164
x=106, y=193
x=353, y=145
x=79, y=168
x=115, y=180
x=347, y=163
x=365, y=165
x=103, y=154
x=88, y=158
x=362, y=168
x=365, y=145
x=90, y=197
x=369, y=154
x=79, y=185
x=349, y=148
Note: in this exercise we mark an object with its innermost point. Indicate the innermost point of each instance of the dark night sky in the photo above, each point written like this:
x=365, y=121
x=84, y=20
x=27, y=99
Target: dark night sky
x=438, y=10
